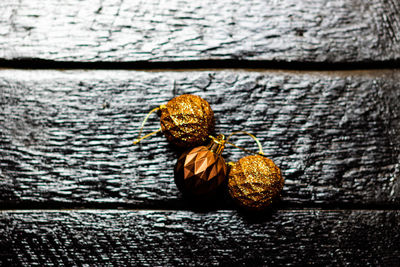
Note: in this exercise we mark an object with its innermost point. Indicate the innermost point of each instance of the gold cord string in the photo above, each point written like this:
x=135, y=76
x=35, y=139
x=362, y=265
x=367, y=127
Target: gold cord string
x=260, y=152
x=245, y=150
x=146, y=136
x=143, y=123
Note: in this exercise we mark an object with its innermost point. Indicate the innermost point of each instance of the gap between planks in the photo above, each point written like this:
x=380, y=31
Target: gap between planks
x=83, y=210
x=200, y=64
x=30, y=207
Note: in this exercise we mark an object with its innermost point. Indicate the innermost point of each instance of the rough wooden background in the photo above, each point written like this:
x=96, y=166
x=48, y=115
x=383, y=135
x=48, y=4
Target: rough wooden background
x=68, y=135
x=286, y=237
x=74, y=190
x=181, y=30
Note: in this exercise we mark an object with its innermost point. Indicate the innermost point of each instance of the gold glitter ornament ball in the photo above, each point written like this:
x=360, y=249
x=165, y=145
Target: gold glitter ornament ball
x=187, y=120
x=254, y=181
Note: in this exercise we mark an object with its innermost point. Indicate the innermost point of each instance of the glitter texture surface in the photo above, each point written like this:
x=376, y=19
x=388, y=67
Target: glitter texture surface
x=254, y=181
x=200, y=171
x=187, y=120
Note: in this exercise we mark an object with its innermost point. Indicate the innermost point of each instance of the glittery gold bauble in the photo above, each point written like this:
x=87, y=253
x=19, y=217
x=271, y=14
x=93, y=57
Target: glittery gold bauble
x=254, y=181
x=187, y=120
x=201, y=170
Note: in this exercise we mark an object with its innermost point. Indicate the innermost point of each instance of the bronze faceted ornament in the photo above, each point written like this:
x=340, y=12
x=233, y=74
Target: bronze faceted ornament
x=254, y=182
x=187, y=120
x=201, y=170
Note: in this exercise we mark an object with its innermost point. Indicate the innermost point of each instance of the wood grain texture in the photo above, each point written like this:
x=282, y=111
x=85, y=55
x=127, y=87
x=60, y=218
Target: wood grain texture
x=181, y=30
x=171, y=238
x=66, y=136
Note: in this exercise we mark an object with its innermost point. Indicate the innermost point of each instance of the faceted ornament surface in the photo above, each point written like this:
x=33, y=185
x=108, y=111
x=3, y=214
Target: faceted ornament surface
x=199, y=171
x=254, y=181
x=187, y=120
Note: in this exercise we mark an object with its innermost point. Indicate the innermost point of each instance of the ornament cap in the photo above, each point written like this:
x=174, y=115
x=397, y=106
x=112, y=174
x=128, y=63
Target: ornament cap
x=217, y=144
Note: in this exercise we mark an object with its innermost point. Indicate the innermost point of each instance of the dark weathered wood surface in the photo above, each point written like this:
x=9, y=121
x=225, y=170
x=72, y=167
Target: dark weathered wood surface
x=185, y=238
x=176, y=30
x=66, y=136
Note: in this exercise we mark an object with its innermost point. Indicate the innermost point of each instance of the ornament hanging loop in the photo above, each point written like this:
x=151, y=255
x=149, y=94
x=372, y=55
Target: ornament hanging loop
x=144, y=122
x=260, y=151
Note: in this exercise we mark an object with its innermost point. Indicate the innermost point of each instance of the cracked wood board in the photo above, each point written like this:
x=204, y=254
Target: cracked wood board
x=171, y=238
x=66, y=136
x=157, y=30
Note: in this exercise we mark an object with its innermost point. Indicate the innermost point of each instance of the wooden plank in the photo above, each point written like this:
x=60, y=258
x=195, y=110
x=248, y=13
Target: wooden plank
x=181, y=30
x=149, y=238
x=66, y=136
